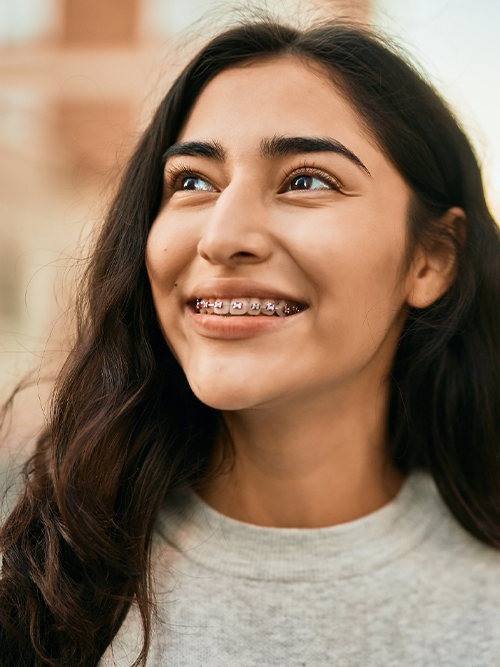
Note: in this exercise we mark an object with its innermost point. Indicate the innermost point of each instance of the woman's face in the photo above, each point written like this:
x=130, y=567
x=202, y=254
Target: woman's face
x=276, y=191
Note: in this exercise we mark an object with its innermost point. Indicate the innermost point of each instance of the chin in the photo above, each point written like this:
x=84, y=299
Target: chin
x=228, y=395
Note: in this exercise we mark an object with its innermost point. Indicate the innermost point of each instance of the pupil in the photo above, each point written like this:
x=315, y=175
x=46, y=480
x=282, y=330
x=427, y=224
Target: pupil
x=303, y=182
x=189, y=183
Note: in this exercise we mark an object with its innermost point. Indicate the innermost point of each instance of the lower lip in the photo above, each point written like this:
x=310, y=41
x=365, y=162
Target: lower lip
x=237, y=327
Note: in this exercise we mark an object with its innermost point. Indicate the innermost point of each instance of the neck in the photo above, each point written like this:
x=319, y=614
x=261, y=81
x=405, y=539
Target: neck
x=309, y=464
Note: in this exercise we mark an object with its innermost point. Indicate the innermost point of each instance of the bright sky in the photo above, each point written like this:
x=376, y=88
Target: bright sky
x=458, y=43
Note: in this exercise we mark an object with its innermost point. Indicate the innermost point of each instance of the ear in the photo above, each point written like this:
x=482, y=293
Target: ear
x=434, y=271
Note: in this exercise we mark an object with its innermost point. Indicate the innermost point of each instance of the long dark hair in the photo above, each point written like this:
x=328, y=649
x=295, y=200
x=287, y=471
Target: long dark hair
x=125, y=429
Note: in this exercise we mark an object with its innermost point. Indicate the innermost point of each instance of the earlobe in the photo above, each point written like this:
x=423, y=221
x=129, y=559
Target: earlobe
x=434, y=270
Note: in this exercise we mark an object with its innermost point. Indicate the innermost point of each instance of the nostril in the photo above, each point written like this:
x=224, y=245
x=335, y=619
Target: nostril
x=231, y=246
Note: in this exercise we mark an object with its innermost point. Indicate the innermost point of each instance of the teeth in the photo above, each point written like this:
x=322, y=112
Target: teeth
x=247, y=306
x=254, y=306
x=221, y=307
x=205, y=306
x=268, y=308
x=280, y=308
x=238, y=306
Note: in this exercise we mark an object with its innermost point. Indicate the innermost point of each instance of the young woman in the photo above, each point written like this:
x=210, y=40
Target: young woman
x=276, y=439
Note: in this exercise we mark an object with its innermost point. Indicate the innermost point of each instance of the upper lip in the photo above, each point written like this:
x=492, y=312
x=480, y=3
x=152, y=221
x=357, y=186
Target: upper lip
x=231, y=287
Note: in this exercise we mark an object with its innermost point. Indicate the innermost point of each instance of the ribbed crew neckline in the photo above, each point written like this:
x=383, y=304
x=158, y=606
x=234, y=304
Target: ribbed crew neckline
x=235, y=548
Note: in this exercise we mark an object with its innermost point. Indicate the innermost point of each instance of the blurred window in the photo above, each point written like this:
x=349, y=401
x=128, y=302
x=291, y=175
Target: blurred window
x=23, y=21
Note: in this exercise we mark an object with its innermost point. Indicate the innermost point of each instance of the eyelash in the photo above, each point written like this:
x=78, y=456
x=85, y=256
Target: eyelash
x=310, y=170
x=174, y=176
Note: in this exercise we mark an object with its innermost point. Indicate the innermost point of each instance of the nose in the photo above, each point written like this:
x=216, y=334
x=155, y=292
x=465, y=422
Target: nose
x=236, y=231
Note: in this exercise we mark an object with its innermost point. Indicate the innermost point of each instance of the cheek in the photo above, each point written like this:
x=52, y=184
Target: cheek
x=355, y=265
x=168, y=250
x=371, y=272
x=353, y=257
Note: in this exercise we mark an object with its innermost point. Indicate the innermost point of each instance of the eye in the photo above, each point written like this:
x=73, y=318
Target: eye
x=308, y=182
x=193, y=183
x=310, y=179
x=180, y=178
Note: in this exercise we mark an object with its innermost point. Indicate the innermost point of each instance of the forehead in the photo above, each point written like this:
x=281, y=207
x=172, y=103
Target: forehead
x=281, y=96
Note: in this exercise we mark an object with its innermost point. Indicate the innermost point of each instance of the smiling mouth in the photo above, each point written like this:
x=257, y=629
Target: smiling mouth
x=248, y=307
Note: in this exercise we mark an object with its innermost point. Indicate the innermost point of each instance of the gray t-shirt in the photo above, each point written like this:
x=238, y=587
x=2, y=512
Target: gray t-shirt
x=404, y=586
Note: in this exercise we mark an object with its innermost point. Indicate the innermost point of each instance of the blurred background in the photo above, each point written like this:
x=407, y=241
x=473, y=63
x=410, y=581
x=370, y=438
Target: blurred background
x=79, y=79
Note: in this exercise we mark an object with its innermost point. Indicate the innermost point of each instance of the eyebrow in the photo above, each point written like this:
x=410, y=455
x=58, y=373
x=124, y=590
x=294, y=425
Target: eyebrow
x=275, y=147
x=212, y=150
x=282, y=146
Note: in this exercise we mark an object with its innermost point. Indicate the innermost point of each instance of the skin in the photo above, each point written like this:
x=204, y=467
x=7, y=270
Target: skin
x=306, y=403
